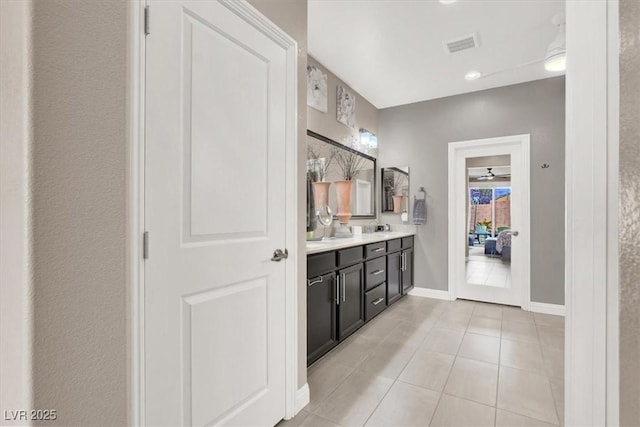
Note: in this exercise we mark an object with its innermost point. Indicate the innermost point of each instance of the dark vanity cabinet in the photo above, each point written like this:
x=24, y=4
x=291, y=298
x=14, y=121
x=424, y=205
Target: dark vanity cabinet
x=350, y=302
x=322, y=290
x=406, y=265
x=399, y=267
x=394, y=277
x=348, y=287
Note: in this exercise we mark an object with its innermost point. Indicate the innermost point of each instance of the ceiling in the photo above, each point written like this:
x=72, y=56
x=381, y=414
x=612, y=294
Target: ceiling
x=392, y=53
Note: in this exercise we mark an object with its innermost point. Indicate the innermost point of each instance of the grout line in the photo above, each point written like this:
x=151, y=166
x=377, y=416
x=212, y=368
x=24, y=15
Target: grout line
x=400, y=373
x=495, y=417
x=455, y=357
x=544, y=362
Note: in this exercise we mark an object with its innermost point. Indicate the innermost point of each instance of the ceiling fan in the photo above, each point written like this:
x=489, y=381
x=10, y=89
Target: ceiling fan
x=490, y=175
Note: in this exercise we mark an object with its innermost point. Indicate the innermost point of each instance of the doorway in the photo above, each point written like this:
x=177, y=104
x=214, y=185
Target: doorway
x=489, y=248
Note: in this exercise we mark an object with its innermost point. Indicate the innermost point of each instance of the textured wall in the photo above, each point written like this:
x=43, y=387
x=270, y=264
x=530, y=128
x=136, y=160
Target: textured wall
x=15, y=236
x=79, y=190
x=291, y=16
x=629, y=213
x=418, y=134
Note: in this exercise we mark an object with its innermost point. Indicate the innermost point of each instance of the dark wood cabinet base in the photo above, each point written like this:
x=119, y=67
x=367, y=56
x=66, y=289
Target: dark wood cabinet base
x=349, y=287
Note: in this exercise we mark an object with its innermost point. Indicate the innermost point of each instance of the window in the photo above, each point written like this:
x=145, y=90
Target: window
x=489, y=209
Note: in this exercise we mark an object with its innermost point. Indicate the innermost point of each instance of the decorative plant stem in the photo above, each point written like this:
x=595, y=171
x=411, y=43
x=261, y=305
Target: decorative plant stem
x=349, y=162
x=320, y=164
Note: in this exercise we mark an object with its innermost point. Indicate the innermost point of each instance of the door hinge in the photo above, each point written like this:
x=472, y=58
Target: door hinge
x=145, y=245
x=146, y=21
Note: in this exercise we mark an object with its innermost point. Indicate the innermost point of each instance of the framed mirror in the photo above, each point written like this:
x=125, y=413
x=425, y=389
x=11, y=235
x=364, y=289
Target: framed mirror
x=326, y=162
x=395, y=189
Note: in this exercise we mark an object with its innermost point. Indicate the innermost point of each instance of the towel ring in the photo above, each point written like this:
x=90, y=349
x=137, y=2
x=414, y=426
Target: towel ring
x=421, y=190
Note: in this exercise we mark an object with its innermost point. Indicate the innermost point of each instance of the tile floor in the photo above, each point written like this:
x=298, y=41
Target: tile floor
x=486, y=270
x=427, y=362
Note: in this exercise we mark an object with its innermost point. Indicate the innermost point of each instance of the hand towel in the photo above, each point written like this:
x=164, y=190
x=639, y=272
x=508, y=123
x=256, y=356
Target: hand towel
x=419, y=211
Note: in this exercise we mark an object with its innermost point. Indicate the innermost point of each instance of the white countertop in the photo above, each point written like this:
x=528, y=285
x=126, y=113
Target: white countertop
x=315, y=247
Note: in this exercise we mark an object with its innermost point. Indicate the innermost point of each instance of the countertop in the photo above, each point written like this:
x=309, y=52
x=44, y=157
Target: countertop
x=315, y=247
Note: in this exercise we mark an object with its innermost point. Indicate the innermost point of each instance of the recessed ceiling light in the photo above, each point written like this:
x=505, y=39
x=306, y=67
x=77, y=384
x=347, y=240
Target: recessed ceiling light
x=448, y=1
x=472, y=75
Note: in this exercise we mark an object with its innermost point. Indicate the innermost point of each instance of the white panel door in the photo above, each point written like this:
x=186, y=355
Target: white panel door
x=513, y=290
x=214, y=302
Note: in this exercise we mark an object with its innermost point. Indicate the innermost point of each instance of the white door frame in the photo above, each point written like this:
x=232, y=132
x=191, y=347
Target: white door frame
x=591, y=266
x=136, y=214
x=458, y=207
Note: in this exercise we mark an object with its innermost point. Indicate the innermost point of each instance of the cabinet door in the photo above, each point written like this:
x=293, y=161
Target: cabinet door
x=394, y=277
x=351, y=300
x=321, y=316
x=407, y=270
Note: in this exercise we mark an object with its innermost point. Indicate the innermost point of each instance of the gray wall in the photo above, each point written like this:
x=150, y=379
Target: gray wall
x=629, y=221
x=80, y=210
x=418, y=134
x=326, y=124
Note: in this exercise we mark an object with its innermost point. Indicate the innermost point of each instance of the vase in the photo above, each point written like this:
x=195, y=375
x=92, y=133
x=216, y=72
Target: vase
x=343, y=190
x=321, y=193
x=397, y=204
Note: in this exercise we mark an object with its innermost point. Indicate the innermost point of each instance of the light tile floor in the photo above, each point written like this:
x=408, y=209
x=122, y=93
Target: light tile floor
x=487, y=270
x=426, y=362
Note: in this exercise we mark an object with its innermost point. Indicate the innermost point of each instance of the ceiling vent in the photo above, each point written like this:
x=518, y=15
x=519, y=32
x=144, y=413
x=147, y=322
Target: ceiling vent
x=464, y=43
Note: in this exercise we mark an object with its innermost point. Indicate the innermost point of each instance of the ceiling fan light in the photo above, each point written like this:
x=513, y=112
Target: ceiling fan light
x=472, y=75
x=556, y=58
x=557, y=62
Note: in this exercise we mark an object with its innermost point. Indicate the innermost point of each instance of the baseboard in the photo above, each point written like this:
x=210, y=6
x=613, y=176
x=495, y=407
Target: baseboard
x=430, y=293
x=302, y=397
x=541, y=307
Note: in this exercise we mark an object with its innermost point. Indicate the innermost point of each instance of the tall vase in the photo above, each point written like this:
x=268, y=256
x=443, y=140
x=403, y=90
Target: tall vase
x=397, y=204
x=321, y=193
x=343, y=190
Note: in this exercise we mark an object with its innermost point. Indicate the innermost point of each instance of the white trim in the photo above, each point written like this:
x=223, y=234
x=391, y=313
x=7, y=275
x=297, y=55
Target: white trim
x=541, y=307
x=430, y=293
x=590, y=275
x=613, y=101
x=302, y=398
x=136, y=114
x=456, y=247
x=135, y=215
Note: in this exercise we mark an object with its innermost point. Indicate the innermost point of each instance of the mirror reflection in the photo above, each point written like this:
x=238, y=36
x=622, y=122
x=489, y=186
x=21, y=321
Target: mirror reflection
x=395, y=189
x=328, y=163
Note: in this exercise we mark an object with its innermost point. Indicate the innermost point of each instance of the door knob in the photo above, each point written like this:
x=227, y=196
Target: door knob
x=515, y=233
x=278, y=255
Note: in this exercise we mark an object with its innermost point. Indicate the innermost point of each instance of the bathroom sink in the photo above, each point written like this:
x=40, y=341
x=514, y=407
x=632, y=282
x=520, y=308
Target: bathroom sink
x=318, y=243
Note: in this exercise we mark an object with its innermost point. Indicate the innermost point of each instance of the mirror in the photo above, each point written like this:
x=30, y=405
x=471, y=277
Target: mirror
x=327, y=161
x=395, y=189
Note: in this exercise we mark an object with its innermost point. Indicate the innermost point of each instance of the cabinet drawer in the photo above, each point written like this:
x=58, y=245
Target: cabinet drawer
x=407, y=242
x=394, y=245
x=375, y=301
x=349, y=256
x=321, y=263
x=375, y=250
x=375, y=272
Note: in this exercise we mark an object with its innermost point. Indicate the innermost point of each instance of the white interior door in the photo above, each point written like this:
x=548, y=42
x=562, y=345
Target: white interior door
x=214, y=302
x=516, y=290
